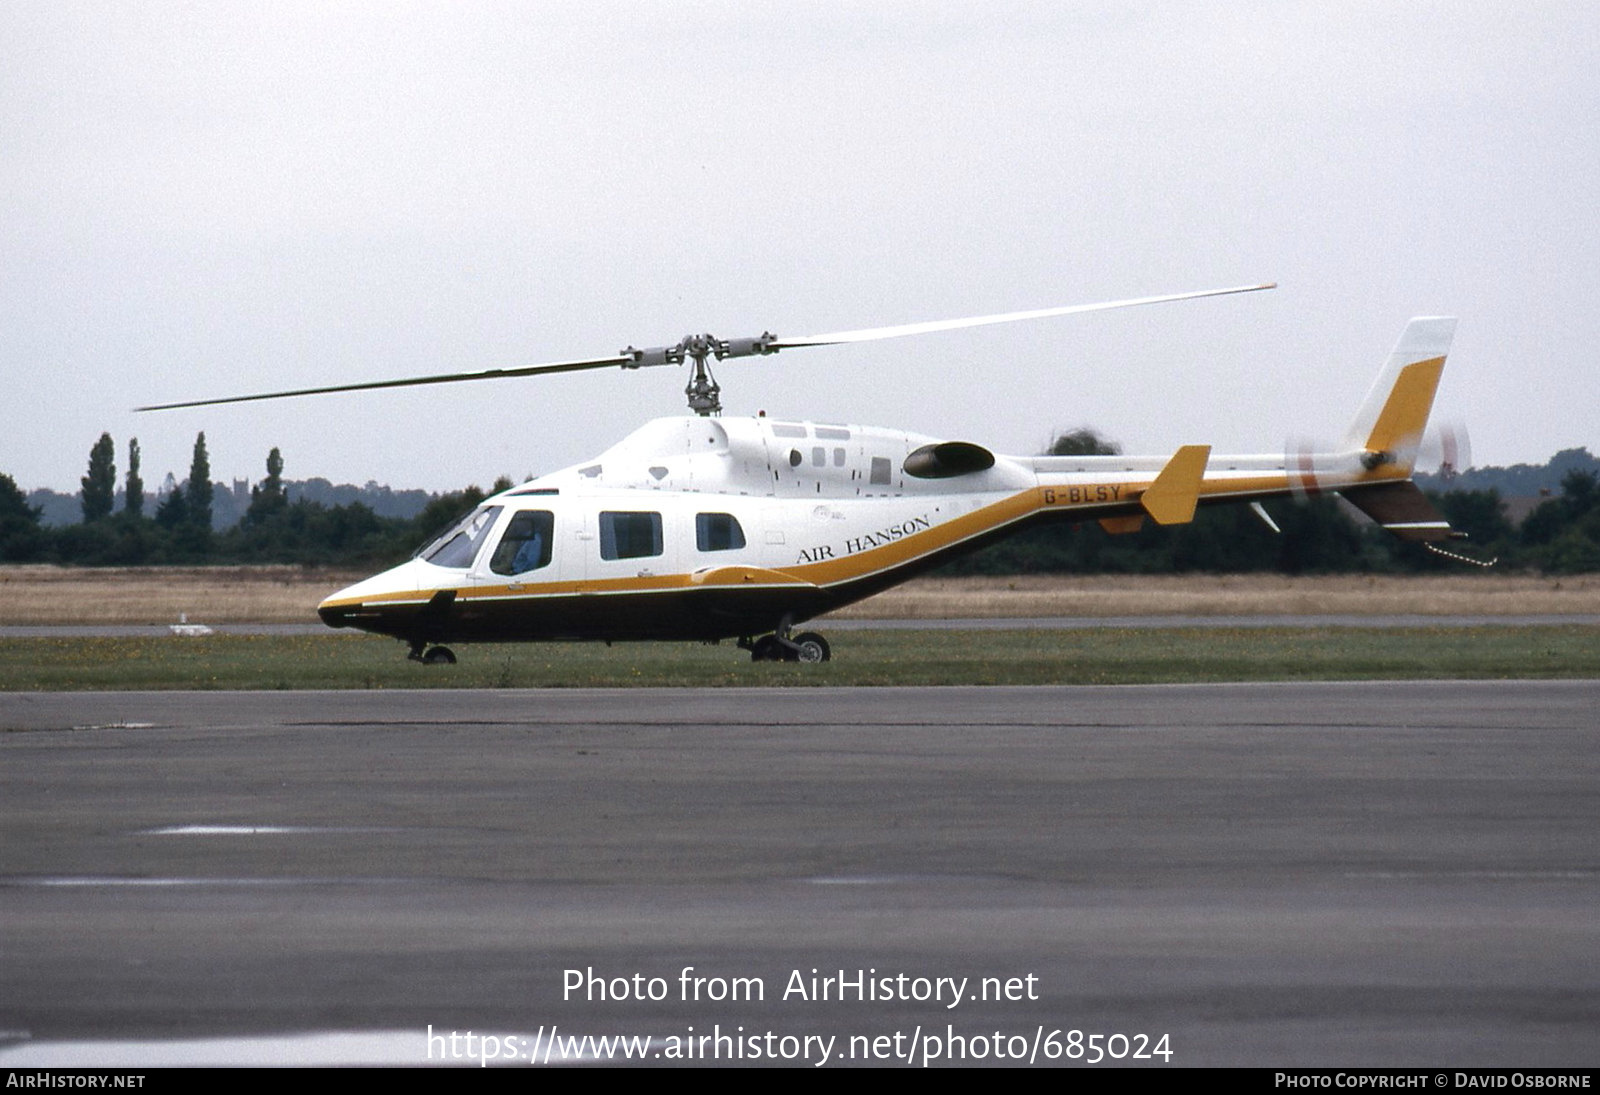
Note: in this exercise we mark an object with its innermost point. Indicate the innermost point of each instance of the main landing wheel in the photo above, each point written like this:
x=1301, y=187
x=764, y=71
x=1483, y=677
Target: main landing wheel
x=439, y=655
x=810, y=648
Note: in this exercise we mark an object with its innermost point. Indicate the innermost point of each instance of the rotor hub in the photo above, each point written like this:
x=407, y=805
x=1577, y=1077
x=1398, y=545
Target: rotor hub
x=703, y=392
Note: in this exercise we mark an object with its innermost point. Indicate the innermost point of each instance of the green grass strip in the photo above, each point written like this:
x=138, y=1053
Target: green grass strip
x=1090, y=656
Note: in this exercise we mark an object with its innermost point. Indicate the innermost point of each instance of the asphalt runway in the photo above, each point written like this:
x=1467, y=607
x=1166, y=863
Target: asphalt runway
x=1320, y=874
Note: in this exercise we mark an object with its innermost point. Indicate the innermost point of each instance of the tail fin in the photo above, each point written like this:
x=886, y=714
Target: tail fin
x=1389, y=426
x=1388, y=429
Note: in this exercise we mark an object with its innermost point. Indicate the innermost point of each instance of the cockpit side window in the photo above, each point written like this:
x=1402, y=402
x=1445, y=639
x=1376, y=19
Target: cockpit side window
x=629, y=535
x=458, y=547
x=717, y=532
x=526, y=544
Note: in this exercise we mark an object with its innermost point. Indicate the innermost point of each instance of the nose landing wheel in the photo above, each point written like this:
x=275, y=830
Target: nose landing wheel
x=434, y=655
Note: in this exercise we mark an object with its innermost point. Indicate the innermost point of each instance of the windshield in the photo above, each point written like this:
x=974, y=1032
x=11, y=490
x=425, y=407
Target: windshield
x=458, y=547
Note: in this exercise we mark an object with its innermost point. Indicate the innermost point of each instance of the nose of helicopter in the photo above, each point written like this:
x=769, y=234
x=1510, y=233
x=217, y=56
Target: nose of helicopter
x=337, y=615
x=343, y=608
x=363, y=604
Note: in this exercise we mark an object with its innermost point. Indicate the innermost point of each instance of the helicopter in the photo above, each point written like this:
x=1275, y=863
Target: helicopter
x=707, y=528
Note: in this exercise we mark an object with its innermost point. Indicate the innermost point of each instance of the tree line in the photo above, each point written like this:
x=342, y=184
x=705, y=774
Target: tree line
x=273, y=529
x=1317, y=535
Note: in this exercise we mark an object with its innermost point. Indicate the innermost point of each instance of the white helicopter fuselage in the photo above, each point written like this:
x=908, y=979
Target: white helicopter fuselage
x=710, y=528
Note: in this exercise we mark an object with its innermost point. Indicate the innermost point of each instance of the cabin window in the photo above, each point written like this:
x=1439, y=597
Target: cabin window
x=630, y=535
x=819, y=456
x=526, y=544
x=717, y=532
x=458, y=547
x=880, y=471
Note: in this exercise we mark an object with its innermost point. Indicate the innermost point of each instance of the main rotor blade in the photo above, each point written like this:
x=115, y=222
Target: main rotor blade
x=633, y=359
x=443, y=378
x=870, y=333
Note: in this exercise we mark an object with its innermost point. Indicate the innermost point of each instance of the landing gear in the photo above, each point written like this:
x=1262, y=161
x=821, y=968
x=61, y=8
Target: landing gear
x=436, y=655
x=767, y=649
x=808, y=647
x=811, y=648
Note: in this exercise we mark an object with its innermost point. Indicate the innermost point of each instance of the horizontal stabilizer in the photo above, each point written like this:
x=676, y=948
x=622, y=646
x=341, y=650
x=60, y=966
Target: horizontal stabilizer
x=1401, y=508
x=1171, y=499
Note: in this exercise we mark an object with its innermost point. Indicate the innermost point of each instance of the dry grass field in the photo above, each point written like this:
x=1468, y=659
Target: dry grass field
x=283, y=594
x=159, y=595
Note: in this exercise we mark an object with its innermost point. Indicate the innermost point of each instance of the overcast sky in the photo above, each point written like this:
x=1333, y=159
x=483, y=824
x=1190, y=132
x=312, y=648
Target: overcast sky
x=222, y=198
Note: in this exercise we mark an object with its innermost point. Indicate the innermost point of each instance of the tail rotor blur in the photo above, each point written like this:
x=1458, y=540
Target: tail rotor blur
x=1446, y=450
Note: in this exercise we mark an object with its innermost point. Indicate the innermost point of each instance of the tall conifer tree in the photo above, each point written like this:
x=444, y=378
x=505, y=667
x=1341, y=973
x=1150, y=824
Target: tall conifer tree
x=200, y=485
x=133, y=500
x=100, y=485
